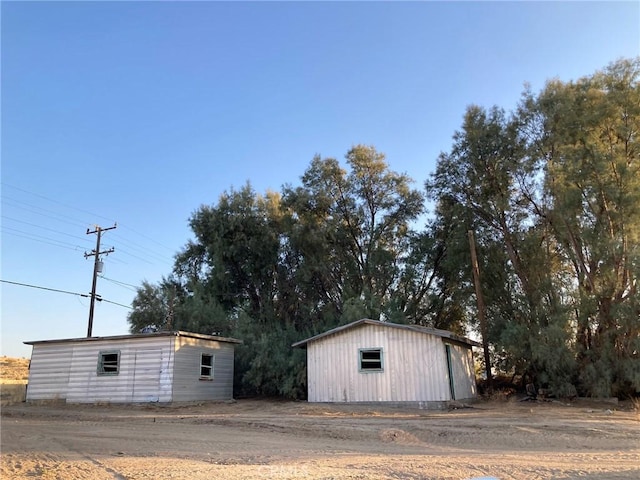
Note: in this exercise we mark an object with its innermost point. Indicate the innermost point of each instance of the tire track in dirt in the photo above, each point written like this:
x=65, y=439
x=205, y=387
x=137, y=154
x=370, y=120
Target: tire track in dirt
x=279, y=440
x=115, y=474
x=62, y=453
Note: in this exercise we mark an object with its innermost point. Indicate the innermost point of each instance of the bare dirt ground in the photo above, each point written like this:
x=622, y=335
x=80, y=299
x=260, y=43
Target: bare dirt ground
x=256, y=439
x=14, y=369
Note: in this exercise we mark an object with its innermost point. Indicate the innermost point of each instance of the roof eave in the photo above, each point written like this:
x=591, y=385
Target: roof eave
x=415, y=328
x=173, y=333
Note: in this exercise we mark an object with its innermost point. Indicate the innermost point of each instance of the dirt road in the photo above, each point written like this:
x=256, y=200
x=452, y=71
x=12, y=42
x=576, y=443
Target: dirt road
x=286, y=440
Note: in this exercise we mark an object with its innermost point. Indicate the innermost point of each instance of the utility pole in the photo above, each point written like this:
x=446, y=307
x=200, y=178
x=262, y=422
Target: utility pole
x=481, y=308
x=96, y=264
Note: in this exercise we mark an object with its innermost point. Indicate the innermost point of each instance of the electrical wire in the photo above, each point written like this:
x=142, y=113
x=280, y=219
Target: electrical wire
x=48, y=241
x=54, y=201
x=153, y=257
x=57, y=290
x=138, y=247
x=128, y=286
x=40, y=227
x=50, y=214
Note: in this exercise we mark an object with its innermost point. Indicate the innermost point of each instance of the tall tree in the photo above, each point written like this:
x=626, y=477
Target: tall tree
x=154, y=306
x=236, y=251
x=272, y=270
x=351, y=229
x=592, y=149
x=486, y=183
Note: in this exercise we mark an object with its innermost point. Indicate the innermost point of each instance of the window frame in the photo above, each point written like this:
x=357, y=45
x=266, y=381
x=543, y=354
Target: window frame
x=101, y=371
x=361, y=365
x=204, y=376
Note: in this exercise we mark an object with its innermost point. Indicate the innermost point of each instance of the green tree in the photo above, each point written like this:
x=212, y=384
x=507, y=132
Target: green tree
x=235, y=254
x=272, y=269
x=153, y=306
x=591, y=148
x=487, y=183
x=553, y=194
x=351, y=230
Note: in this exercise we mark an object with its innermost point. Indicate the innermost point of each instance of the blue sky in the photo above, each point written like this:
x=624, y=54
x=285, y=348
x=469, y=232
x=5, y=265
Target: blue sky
x=140, y=112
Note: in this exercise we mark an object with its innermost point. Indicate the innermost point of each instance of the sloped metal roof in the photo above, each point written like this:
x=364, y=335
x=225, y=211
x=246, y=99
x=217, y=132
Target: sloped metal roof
x=366, y=321
x=174, y=333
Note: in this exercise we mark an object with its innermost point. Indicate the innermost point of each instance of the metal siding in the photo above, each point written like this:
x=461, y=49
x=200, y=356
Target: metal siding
x=86, y=386
x=187, y=385
x=463, y=372
x=415, y=367
x=146, y=375
x=49, y=372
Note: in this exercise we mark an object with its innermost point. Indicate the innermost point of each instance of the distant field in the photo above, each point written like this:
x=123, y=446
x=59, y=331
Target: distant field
x=13, y=369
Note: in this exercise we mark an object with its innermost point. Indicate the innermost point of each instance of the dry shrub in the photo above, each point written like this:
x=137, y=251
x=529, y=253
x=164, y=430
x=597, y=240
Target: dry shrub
x=502, y=388
x=500, y=395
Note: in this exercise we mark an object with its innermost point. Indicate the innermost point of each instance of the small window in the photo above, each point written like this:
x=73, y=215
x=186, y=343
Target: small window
x=371, y=360
x=109, y=362
x=206, y=366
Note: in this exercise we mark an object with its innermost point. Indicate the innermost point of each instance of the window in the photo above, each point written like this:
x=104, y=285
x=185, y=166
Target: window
x=109, y=362
x=206, y=366
x=371, y=360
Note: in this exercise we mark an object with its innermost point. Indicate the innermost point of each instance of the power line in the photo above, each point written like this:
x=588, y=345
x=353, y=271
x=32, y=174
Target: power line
x=142, y=248
x=45, y=228
x=156, y=256
x=147, y=237
x=128, y=286
x=100, y=299
x=59, y=243
x=135, y=256
x=49, y=213
x=31, y=236
x=45, y=288
x=57, y=290
x=70, y=246
x=54, y=201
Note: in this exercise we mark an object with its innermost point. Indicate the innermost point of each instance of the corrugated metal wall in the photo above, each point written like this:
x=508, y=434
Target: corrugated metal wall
x=415, y=367
x=145, y=371
x=464, y=379
x=49, y=372
x=188, y=386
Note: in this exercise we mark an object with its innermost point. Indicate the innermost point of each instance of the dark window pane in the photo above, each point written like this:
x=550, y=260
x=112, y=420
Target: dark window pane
x=206, y=365
x=108, y=363
x=206, y=359
x=372, y=366
x=371, y=359
x=371, y=354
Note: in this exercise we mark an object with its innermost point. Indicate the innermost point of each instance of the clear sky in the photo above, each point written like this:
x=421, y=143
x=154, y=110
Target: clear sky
x=140, y=112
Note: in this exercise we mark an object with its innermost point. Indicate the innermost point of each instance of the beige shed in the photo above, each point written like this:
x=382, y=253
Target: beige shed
x=168, y=366
x=374, y=361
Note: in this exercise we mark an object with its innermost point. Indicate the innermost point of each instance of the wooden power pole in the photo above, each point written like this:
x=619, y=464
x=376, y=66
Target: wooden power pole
x=96, y=253
x=481, y=308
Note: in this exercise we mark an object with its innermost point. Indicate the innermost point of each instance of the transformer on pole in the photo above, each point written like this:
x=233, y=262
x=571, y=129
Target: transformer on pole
x=97, y=268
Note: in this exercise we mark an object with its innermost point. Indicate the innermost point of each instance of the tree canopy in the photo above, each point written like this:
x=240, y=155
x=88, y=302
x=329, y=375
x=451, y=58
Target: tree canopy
x=551, y=191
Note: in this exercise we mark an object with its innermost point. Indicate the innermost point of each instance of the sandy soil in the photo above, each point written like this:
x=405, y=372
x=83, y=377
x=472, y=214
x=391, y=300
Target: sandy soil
x=12, y=368
x=253, y=439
